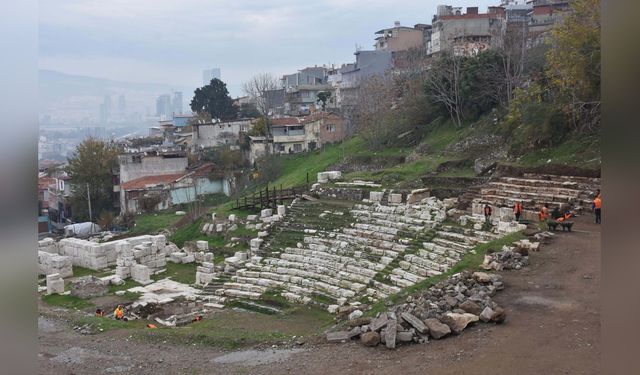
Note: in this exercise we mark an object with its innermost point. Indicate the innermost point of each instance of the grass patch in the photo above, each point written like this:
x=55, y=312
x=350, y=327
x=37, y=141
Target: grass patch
x=470, y=261
x=128, y=284
x=153, y=223
x=182, y=273
x=581, y=151
x=81, y=271
x=67, y=301
x=104, y=324
x=235, y=329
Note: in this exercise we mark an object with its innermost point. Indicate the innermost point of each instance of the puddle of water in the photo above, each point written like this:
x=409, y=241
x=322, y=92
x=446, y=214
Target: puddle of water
x=256, y=357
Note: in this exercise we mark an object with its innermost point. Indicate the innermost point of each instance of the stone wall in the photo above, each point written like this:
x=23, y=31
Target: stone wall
x=94, y=255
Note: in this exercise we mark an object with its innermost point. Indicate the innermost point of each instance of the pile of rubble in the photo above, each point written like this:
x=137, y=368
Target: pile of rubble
x=510, y=257
x=447, y=307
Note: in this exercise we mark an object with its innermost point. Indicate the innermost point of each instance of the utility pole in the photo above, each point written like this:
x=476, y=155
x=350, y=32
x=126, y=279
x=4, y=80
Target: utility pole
x=89, y=201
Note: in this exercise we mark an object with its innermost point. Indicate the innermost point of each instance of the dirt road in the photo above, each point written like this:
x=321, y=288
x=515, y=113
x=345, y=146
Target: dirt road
x=553, y=327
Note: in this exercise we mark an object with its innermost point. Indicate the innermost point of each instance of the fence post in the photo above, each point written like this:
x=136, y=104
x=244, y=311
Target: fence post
x=260, y=199
x=307, y=181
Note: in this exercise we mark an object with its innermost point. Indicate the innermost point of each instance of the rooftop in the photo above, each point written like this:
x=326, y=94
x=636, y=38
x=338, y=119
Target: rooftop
x=144, y=182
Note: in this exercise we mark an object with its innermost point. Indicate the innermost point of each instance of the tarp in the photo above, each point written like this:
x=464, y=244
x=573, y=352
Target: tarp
x=81, y=229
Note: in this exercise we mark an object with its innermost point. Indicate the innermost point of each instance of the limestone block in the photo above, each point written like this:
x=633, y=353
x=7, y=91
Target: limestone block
x=213, y=216
x=322, y=178
x=376, y=196
x=220, y=228
x=141, y=274
x=180, y=213
x=281, y=210
x=123, y=272
x=188, y=259
x=252, y=217
x=263, y=234
x=266, y=212
x=55, y=285
x=232, y=218
x=202, y=245
x=395, y=198
x=241, y=255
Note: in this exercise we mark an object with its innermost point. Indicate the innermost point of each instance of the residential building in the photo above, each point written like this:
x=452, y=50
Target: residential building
x=209, y=74
x=218, y=134
x=136, y=165
x=163, y=191
x=399, y=38
x=466, y=33
x=300, y=134
x=181, y=120
x=301, y=89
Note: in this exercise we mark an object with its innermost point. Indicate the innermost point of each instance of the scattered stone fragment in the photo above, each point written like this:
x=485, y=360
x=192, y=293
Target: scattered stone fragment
x=499, y=315
x=486, y=314
x=391, y=334
x=339, y=336
x=471, y=307
x=415, y=322
x=458, y=322
x=355, y=315
x=370, y=338
x=437, y=329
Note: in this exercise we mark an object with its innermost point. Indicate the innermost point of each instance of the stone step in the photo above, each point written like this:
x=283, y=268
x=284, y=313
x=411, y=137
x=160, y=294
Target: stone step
x=237, y=293
x=536, y=189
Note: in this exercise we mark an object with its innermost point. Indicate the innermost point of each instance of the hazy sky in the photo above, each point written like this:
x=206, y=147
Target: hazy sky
x=171, y=41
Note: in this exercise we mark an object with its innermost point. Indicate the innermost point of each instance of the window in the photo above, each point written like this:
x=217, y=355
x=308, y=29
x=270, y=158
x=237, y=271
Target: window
x=280, y=147
x=331, y=128
x=297, y=147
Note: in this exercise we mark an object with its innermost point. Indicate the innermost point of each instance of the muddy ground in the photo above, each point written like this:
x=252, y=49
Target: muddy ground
x=553, y=327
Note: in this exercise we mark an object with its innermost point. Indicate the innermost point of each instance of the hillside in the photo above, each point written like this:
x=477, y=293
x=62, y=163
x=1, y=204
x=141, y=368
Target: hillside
x=445, y=151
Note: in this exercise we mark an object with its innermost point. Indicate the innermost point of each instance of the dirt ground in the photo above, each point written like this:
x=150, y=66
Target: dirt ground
x=553, y=327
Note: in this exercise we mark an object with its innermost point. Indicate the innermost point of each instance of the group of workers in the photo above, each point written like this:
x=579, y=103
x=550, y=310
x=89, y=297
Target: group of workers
x=544, y=214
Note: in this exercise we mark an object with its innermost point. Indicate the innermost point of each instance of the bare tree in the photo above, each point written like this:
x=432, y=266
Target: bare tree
x=260, y=88
x=443, y=84
x=373, y=109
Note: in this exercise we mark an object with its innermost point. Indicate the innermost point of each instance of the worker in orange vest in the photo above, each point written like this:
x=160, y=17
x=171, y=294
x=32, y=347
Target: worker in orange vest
x=544, y=212
x=597, y=208
x=118, y=313
x=517, y=210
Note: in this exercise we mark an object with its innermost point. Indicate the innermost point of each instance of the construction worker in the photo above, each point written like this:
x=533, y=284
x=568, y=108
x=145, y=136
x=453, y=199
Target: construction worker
x=487, y=212
x=517, y=210
x=544, y=212
x=118, y=313
x=597, y=208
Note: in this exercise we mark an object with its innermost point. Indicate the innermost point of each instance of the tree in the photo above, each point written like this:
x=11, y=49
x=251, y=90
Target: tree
x=573, y=66
x=442, y=84
x=215, y=100
x=260, y=88
x=323, y=97
x=373, y=110
x=248, y=110
x=91, y=170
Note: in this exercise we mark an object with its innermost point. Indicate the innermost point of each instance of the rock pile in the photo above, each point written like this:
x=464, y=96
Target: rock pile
x=446, y=308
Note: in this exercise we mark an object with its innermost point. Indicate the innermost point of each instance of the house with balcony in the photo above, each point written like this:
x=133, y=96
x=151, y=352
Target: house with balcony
x=301, y=89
